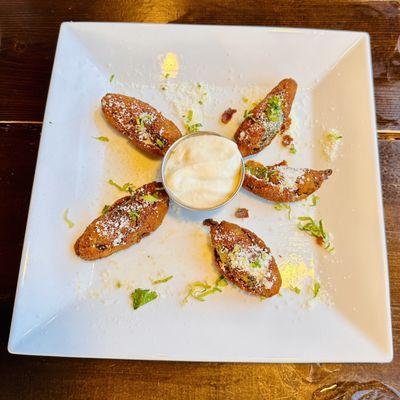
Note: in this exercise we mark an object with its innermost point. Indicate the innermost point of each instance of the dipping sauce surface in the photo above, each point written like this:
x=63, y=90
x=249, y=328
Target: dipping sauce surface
x=203, y=171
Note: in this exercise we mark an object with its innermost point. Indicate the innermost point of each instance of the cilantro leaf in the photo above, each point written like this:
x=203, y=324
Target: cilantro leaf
x=163, y=280
x=141, y=297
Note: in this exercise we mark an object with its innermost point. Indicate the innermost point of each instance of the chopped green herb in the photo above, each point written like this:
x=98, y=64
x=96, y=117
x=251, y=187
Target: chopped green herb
x=317, y=230
x=274, y=109
x=163, y=280
x=295, y=289
x=261, y=172
x=112, y=76
x=191, y=128
x=133, y=215
x=167, y=75
x=292, y=149
x=245, y=99
x=102, y=138
x=199, y=290
x=142, y=296
x=284, y=206
x=255, y=264
x=118, y=284
x=159, y=143
x=221, y=282
x=248, y=114
x=105, y=209
x=316, y=288
x=333, y=136
x=67, y=220
x=198, y=85
x=314, y=200
x=126, y=187
x=150, y=198
x=143, y=118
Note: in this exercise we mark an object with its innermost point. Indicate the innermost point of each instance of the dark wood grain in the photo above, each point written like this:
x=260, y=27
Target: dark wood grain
x=32, y=378
x=29, y=32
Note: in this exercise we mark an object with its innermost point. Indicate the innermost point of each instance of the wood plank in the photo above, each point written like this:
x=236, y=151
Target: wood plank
x=45, y=377
x=30, y=29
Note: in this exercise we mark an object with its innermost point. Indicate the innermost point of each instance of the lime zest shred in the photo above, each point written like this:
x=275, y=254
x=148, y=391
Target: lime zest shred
x=284, y=206
x=112, y=76
x=316, y=288
x=295, y=289
x=191, y=128
x=101, y=138
x=314, y=200
x=67, y=220
x=248, y=115
x=245, y=99
x=162, y=280
x=199, y=290
x=105, y=209
x=126, y=187
x=292, y=149
x=317, y=230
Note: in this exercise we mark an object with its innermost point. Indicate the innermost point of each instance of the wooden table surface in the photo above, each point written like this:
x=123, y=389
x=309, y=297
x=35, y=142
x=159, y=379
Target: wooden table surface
x=28, y=34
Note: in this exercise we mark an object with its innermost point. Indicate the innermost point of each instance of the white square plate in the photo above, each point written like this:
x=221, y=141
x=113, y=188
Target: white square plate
x=67, y=307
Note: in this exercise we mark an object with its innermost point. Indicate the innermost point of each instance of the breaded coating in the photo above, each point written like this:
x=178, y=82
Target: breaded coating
x=266, y=119
x=244, y=259
x=145, y=127
x=281, y=183
x=125, y=223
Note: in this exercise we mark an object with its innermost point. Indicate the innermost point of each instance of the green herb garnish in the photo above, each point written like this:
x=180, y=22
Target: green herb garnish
x=314, y=200
x=102, y=138
x=159, y=143
x=221, y=282
x=133, y=215
x=67, y=220
x=163, y=280
x=143, y=119
x=118, y=284
x=105, y=209
x=295, y=289
x=333, y=136
x=112, y=76
x=316, y=288
x=126, y=187
x=248, y=114
x=274, y=110
x=142, y=296
x=308, y=225
x=245, y=99
x=199, y=290
x=150, y=198
x=292, y=149
x=284, y=206
x=191, y=128
x=261, y=172
x=255, y=264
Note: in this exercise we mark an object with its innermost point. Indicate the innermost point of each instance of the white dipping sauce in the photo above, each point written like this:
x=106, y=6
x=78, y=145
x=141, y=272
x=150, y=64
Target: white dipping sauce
x=203, y=171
